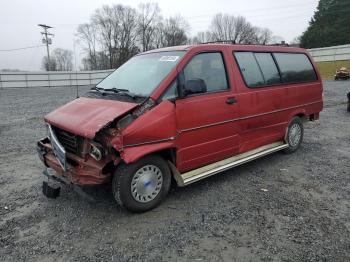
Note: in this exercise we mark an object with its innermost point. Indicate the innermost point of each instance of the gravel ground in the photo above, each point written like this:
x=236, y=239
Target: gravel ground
x=303, y=215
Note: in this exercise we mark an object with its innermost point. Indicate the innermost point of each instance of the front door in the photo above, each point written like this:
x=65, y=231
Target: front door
x=207, y=131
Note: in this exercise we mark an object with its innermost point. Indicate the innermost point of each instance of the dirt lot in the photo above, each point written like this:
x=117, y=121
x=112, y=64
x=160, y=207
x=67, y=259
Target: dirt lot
x=304, y=215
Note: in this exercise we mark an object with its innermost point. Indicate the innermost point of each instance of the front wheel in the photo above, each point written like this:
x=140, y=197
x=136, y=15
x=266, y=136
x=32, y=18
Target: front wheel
x=294, y=136
x=142, y=185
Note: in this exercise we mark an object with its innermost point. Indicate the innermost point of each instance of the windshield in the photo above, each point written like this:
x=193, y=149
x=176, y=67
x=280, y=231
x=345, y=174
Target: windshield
x=142, y=74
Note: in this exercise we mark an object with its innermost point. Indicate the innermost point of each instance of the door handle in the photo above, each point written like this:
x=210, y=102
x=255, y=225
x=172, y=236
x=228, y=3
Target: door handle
x=231, y=101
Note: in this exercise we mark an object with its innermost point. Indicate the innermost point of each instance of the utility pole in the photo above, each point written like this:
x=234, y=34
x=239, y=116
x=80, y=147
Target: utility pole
x=48, y=41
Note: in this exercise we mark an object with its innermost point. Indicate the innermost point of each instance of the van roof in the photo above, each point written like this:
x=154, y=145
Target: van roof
x=237, y=47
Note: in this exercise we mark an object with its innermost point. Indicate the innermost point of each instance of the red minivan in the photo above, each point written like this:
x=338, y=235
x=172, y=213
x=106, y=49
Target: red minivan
x=182, y=114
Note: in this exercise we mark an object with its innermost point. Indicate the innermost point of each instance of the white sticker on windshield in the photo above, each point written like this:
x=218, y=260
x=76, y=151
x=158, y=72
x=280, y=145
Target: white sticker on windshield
x=168, y=58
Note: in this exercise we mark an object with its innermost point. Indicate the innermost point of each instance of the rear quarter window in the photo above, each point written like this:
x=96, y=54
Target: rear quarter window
x=295, y=68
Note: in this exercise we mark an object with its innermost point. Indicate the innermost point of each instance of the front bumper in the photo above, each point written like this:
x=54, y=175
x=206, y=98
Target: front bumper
x=79, y=171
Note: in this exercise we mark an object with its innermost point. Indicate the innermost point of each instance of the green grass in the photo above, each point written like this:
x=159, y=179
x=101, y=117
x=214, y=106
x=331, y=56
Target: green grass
x=327, y=69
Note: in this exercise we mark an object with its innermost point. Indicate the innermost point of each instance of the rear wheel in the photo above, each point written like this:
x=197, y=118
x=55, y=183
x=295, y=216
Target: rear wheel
x=294, y=136
x=142, y=185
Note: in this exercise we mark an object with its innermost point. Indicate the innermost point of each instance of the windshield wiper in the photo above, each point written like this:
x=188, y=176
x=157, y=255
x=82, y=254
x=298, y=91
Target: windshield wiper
x=116, y=90
x=121, y=91
x=100, y=90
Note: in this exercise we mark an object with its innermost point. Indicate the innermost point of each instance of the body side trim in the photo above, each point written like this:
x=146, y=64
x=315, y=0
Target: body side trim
x=151, y=142
x=247, y=117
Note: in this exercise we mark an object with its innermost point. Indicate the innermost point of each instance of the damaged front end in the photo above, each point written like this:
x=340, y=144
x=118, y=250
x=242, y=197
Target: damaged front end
x=80, y=169
x=89, y=160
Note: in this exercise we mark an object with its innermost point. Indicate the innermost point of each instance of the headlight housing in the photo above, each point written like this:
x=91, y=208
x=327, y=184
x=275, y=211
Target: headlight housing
x=96, y=151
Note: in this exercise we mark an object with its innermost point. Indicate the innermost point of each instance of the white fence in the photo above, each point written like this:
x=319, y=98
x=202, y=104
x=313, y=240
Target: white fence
x=51, y=79
x=333, y=53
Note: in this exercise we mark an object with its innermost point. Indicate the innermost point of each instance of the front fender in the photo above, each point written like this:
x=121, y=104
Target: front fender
x=151, y=132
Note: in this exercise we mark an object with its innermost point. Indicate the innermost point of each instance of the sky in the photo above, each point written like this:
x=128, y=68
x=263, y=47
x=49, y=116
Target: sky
x=19, y=19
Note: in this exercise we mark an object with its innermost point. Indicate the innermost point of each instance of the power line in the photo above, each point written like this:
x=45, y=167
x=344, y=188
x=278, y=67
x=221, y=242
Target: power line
x=47, y=41
x=20, y=48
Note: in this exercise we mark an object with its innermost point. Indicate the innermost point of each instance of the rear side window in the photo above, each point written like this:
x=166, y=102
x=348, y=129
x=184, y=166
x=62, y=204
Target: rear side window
x=250, y=69
x=295, y=68
x=268, y=68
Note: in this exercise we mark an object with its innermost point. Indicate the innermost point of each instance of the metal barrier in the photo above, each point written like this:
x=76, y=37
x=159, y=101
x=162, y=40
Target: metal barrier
x=51, y=79
x=332, y=53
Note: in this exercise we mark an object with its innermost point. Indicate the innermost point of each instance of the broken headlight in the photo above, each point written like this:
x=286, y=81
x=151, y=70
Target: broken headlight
x=96, y=151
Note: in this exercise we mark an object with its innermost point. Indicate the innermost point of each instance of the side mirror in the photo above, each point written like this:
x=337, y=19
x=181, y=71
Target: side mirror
x=195, y=86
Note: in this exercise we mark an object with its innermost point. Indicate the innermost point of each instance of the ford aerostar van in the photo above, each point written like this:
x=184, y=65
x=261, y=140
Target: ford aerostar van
x=182, y=114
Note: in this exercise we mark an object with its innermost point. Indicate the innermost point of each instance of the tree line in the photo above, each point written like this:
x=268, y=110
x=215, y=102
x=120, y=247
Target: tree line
x=329, y=26
x=60, y=60
x=116, y=33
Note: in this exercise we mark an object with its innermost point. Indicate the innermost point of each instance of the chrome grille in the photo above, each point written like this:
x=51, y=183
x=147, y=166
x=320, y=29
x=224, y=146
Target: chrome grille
x=71, y=143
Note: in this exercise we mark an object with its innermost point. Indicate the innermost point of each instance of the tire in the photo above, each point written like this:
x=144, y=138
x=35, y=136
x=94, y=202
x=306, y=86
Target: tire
x=294, y=136
x=141, y=186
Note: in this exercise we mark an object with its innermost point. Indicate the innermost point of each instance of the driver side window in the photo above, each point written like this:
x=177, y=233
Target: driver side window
x=210, y=68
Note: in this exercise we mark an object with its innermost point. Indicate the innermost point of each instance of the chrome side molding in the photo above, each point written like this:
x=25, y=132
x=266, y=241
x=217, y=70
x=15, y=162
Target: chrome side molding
x=217, y=167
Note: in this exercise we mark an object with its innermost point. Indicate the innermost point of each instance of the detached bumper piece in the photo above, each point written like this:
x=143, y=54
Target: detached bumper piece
x=51, y=191
x=52, y=187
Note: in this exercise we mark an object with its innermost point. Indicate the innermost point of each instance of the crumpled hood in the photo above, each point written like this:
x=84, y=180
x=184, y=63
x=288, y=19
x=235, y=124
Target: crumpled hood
x=86, y=116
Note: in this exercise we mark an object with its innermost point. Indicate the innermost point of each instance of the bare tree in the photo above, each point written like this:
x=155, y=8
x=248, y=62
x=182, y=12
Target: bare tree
x=264, y=36
x=116, y=33
x=228, y=27
x=174, y=31
x=60, y=60
x=49, y=67
x=159, y=35
x=148, y=19
x=125, y=43
x=201, y=37
x=63, y=59
x=239, y=30
x=101, y=62
x=87, y=36
x=102, y=20
x=223, y=27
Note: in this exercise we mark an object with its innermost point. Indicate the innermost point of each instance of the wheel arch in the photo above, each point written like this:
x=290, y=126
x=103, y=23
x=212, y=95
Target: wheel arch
x=167, y=150
x=301, y=113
